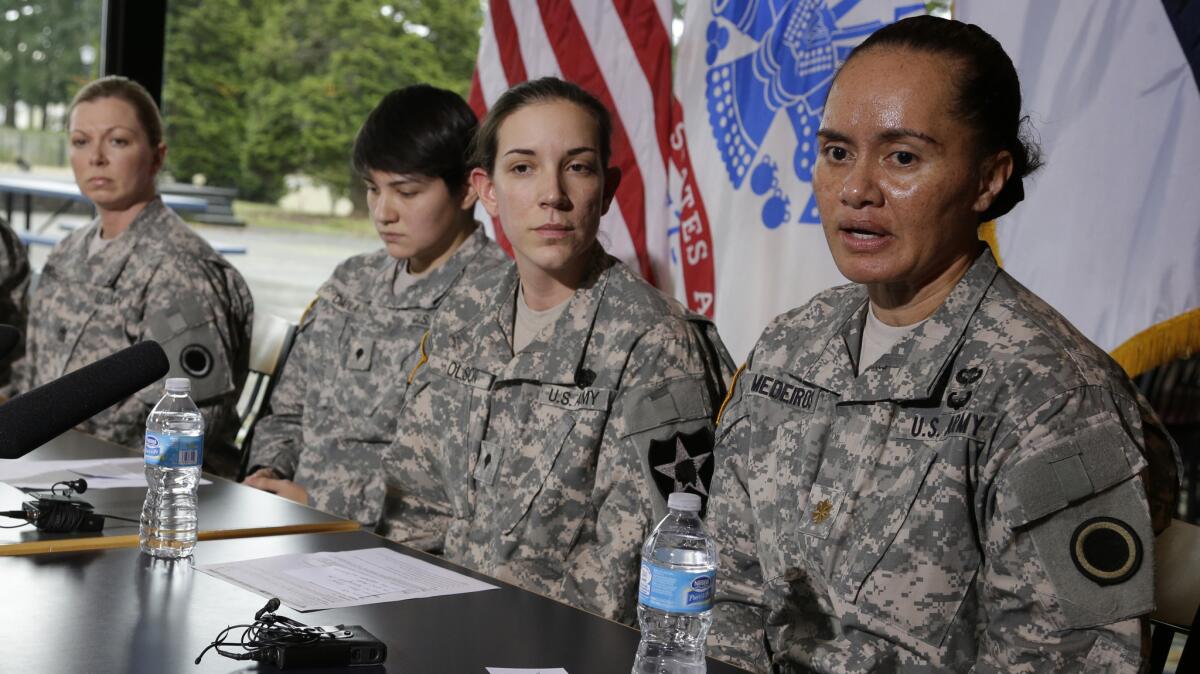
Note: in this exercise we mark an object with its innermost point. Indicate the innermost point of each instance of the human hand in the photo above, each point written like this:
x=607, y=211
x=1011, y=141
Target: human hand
x=265, y=471
x=285, y=488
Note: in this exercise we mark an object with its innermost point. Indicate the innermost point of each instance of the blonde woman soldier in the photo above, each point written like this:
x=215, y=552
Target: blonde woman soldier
x=137, y=272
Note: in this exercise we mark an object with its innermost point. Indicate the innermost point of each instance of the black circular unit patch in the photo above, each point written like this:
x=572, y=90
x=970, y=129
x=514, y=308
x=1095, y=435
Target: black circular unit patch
x=1106, y=550
x=196, y=361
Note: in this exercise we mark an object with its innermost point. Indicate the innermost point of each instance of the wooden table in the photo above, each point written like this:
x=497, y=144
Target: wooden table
x=226, y=509
x=121, y=611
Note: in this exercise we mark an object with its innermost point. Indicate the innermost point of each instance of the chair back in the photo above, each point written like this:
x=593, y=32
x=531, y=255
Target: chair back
x=1176, y=596
x=270, y=343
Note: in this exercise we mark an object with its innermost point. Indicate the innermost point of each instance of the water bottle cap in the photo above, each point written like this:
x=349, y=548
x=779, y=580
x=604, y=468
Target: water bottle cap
x=684, y=501
x=179, y=385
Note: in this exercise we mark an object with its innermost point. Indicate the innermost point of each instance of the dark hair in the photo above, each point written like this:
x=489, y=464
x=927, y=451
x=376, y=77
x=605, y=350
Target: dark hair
x=989, y=92
x=115, y=86
x=544, y=90
x=418, y=130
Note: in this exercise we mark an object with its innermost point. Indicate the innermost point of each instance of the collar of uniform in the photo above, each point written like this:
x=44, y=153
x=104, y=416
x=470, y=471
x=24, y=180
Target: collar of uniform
x=914, y=367
x=558, y=361
x=833, y=367
x=427, y=292
x=105, y=267
x=465, y=326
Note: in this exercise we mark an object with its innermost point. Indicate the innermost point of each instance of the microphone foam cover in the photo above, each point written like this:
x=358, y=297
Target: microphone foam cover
x=38, y=416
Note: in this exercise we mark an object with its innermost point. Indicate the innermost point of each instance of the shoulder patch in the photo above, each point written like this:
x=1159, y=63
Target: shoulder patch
x=1106, y=550
x=683, y=462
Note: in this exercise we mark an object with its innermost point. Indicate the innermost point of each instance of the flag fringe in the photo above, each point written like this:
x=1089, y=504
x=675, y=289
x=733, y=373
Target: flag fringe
x=987, y=234
x=1161, y=343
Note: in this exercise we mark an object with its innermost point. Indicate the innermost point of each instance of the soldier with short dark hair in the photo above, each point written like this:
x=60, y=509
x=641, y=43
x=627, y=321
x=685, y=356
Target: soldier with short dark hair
x=334, y=410
x=137, y=272
x=930, y=469
x=558, y=401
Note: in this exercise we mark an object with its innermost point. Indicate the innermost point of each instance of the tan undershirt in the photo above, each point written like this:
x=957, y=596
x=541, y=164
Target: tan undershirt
x=98, y=243
x=529, y=323
x=405, y=280
x=879, y=338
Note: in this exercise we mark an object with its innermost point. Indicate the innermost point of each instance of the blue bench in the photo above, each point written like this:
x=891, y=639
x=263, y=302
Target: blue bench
x=30, y=186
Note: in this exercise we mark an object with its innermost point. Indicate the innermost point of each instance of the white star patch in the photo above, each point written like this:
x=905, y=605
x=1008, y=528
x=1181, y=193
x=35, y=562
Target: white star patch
x=681, y=456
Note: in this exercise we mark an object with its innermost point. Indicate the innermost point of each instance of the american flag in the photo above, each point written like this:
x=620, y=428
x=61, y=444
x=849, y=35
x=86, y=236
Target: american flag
x=620, y=51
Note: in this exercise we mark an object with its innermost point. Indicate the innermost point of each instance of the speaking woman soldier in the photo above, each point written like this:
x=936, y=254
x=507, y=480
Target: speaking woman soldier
x=957, y=481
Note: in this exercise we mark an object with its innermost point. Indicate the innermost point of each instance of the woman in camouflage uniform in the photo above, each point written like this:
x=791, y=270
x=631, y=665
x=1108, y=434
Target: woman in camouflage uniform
x=137, y=272
x=334, y=409
x=14, y=304
x=559, y=400
x=930, y=469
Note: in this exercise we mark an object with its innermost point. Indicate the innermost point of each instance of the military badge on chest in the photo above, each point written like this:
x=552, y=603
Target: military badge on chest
x=824, y=504
x=956, y=417
x=683, y=462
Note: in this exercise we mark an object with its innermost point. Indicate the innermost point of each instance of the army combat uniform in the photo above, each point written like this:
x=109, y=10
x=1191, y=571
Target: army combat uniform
x=555, y=460
x=334, y=410
x=160, y=281
x=14, y=281
x=973, y=501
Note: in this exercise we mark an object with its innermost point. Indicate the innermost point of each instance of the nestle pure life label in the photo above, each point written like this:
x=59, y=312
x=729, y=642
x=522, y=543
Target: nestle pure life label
x=676, y=590
x=173, y=451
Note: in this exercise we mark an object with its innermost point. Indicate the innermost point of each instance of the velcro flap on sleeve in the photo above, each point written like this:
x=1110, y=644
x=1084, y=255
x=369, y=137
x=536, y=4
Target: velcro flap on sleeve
x=1091, y=461
x=674, y=401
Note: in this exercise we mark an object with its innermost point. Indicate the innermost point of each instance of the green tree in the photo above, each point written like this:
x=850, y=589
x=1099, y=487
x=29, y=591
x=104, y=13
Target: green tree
x=42, y=48
x=324, y=65
x=282, y=87
x=205, y=89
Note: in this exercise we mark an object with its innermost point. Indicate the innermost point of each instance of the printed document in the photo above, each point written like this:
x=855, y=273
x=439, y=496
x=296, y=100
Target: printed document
x=312, y=581
x=110, y=473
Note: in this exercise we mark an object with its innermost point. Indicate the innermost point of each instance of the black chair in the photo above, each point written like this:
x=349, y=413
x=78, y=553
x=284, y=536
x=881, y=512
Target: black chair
x=270, y=344
x=1177, y=596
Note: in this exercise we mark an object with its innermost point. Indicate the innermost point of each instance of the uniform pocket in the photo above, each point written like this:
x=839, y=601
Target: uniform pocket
x=528, y=475
x=917, y=557
x=782, y=468
x=543, y=485
x=362, y=387
x=448, y=419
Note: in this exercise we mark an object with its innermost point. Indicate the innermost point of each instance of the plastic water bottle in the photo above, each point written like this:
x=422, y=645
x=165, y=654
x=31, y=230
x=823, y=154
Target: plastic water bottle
x=174, y=451
x=675, y=595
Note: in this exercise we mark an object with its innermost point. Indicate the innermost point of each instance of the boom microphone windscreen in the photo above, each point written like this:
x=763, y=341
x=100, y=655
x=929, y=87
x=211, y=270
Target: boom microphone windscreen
x=9, y=338
x=38, y=416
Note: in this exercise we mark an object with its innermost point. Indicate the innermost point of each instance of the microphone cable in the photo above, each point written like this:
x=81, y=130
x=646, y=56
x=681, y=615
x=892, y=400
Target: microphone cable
x=55, y=517
x=58, y=514
x=262, y=639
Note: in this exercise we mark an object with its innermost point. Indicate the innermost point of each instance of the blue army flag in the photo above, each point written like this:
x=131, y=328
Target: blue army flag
x=1109, y=233
x=752, y=77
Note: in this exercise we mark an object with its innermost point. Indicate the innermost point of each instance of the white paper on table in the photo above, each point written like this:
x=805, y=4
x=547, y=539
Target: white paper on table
x=510, y=670
x=111, y=473
x=312, y=581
